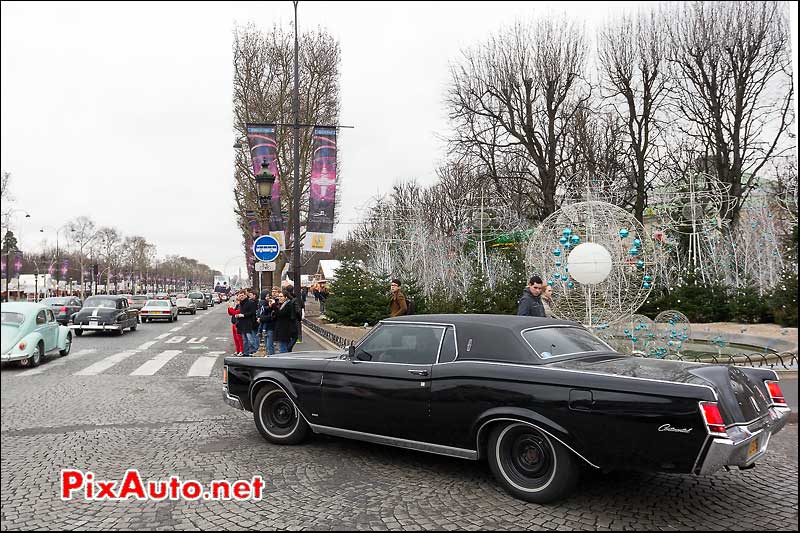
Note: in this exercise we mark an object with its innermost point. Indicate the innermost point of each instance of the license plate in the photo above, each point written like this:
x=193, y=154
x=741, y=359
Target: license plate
x=753, y=449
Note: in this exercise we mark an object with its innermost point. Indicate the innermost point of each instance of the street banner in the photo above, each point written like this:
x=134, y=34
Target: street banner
x=264, y=147
x=3, y=264
x=64, y=267
x=319, y=231
x=17, y=262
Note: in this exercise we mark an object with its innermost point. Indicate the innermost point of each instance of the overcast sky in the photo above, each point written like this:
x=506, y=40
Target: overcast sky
x=122, y=111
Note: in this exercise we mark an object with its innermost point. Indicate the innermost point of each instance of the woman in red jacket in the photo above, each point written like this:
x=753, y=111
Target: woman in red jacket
x=233, y=310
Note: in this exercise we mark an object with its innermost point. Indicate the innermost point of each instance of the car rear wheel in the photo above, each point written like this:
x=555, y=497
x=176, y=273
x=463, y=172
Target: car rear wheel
x=119, y=332
x=169, y=319
x=35, y=359
x=134, y=326
x=78, y=332
x=67, y=346
x=277, y=418
x=531, y=465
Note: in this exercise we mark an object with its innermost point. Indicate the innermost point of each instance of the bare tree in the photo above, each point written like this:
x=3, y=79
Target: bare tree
x=511, y=101
x=109, y=240
x=263, y=88
x=633, y=65
x=735, y=89
x=82, y=233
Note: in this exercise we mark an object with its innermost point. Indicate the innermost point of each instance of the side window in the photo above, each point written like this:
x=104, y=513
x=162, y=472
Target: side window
x=50, y=316
x=122, y=304
x=448, y=352
x=41, y=317
x=416, y=345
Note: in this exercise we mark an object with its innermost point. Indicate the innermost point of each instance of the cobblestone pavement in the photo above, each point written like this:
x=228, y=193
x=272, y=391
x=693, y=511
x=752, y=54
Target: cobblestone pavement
x=170, y=424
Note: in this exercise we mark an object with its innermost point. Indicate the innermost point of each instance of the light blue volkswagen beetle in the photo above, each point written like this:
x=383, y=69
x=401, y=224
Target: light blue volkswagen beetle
x=29, y=332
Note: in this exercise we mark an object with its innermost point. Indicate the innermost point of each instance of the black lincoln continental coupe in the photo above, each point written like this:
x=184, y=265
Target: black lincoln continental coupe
x=536, y=397
x=105, y=313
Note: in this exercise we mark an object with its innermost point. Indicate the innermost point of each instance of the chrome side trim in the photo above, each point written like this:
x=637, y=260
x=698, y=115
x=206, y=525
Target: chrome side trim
x=585, y=372
x=397, y=442
x=570, y=448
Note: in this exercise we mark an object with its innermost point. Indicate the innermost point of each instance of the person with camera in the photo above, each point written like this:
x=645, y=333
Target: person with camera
x=286, y=322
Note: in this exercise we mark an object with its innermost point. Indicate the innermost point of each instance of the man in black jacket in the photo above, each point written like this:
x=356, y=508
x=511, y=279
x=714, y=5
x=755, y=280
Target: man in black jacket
x=531, y=302
x=245, y=324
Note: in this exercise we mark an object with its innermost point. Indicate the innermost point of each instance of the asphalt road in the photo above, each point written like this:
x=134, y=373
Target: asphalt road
x=151, y=400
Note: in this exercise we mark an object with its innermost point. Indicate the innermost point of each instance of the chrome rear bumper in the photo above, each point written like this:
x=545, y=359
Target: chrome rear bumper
x=233, y=401
x=744, y=445
x=96, y=326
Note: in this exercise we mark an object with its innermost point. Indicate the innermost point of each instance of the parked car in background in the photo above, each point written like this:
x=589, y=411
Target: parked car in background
x=186, y=305
x=30, y=332
x=159, y=309
x=216, y=298
x=63, y=307
x=209, y=299
x=199, y=300
x=538, y=398
x=105, y=313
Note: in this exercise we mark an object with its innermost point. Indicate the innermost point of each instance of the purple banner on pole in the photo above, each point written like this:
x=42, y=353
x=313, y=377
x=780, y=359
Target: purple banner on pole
x=17, y=262
x=65, y=267
x=3, y=264
x=264, y=147
x=323, y=181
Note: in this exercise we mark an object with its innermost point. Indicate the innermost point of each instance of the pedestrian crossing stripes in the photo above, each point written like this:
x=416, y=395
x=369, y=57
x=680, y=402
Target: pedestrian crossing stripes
x=203, y=365
x=154, y=365
x=175, y=340
x=58, y=362
x=104, y=364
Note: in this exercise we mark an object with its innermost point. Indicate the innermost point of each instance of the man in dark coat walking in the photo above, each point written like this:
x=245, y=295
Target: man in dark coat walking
x=530, y=304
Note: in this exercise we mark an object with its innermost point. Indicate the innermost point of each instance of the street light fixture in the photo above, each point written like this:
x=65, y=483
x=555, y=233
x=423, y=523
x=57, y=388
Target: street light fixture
x=264, y=182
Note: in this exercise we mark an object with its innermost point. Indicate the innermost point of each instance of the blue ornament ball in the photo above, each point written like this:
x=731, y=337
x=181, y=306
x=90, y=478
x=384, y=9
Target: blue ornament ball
x=563, y=240
x=566, y=232
x=557, y=252
x=623, y=233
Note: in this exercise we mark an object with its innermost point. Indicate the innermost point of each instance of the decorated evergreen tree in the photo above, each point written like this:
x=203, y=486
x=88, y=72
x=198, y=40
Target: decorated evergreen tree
x=356, y=296
x=480, y=298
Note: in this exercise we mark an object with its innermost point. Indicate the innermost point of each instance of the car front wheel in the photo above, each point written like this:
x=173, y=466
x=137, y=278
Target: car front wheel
x=531, y=465
x=277, y=418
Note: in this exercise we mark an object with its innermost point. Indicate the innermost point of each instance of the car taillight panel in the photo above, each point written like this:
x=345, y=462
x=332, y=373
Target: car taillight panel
x=224, y=375
x=713, y=418
x=64, y=309
x=775, y=392
x=22, y=345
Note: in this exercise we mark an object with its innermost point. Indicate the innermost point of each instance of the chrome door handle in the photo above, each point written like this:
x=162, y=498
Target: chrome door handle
x=418, y=372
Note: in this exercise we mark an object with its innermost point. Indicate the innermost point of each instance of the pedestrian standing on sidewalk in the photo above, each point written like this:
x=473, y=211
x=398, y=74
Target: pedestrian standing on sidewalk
x=286, y=322
x=322, y=296
x=397, y=305
x=266, y=319
x=530, y=304
x=245, y=324
x=233, y=310
x=547, y=300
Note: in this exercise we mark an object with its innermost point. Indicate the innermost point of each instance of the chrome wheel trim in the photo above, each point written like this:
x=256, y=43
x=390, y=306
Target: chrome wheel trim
x=265, y=427
x=501, y=466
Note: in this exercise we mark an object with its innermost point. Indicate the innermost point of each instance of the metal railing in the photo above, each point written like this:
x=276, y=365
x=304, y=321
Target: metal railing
x=338, y=340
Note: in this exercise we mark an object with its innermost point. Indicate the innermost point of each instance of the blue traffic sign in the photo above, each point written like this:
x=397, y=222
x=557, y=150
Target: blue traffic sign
x=266, y=248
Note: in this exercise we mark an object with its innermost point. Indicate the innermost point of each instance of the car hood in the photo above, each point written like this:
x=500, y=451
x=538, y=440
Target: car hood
x=10, y=336
x=309, y=355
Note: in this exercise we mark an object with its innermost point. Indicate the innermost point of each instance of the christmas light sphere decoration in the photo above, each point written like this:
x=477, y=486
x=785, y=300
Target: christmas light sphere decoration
x=673, y=330
x=634, y=334
x=599, y=281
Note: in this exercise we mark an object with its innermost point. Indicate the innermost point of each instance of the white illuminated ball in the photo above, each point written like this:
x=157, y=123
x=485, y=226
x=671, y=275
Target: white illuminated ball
x=589, y=263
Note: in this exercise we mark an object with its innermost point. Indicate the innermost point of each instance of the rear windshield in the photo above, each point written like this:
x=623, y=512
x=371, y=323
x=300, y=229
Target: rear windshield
x=140, y=297
x=182, y=301
x=198, y=295
x=555, y=342
x=55, y=301
x=101, y=302
x=13, y=319
x=158, y=303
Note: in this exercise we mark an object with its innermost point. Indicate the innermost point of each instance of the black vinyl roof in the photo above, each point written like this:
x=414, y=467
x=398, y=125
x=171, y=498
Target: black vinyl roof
x=489, y=337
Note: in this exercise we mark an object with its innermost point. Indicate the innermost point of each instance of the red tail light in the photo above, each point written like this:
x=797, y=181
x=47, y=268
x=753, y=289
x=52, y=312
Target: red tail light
x=713, y=418
x=775, y=392
x=64, y=309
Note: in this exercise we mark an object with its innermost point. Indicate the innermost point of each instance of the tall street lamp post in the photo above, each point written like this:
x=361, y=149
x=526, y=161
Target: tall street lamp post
x=264, y=182
x=296, y=188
